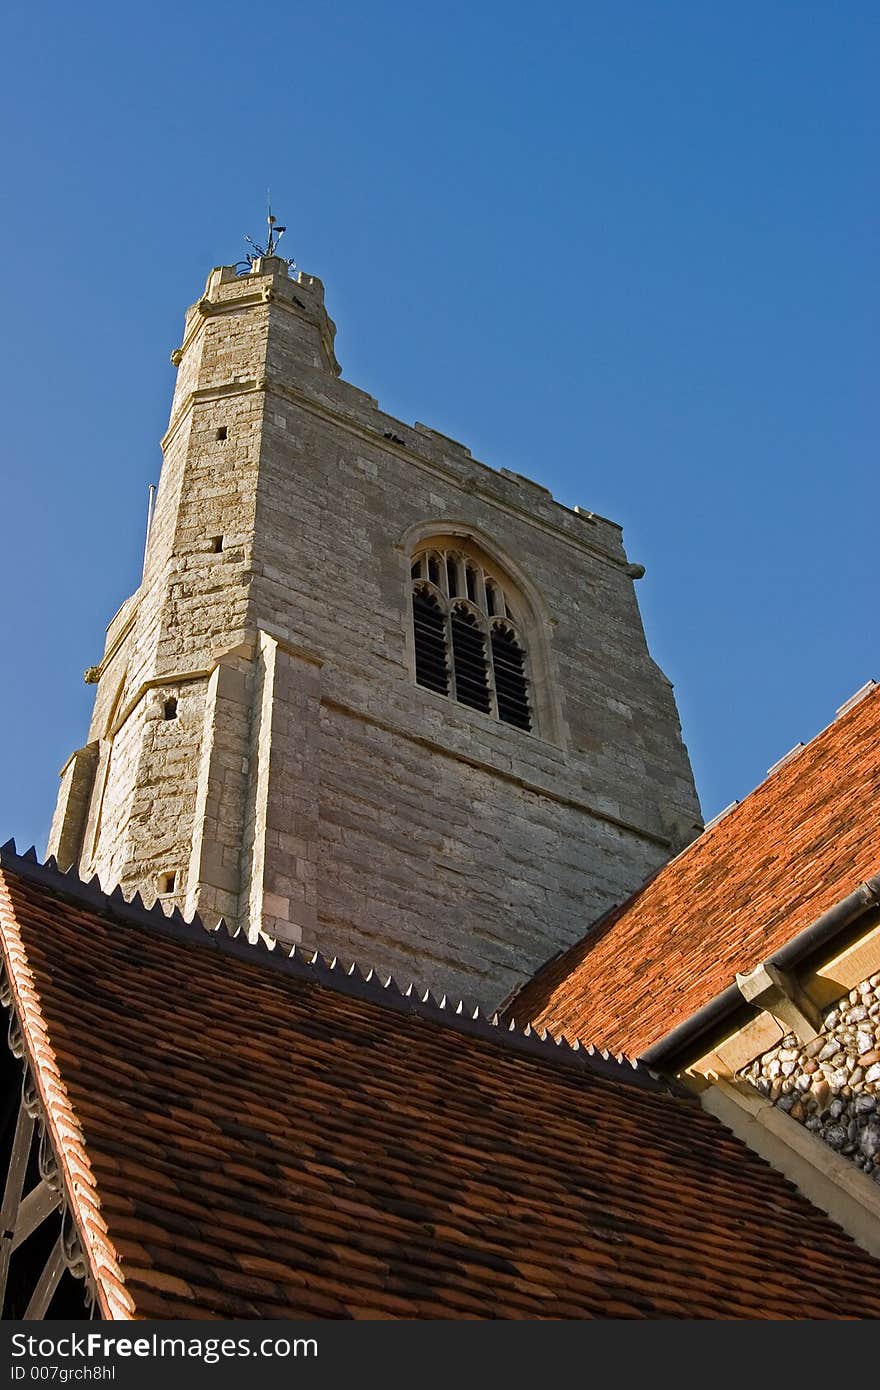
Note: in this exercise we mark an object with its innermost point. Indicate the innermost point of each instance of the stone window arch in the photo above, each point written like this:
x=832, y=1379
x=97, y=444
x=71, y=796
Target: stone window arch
x=473, y=631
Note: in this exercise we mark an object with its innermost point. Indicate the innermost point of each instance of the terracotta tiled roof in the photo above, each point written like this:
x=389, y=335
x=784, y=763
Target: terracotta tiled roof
x=247, y=1140
x=804, y=839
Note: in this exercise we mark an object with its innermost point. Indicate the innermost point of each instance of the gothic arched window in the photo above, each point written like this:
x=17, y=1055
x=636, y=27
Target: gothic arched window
x=468, y=637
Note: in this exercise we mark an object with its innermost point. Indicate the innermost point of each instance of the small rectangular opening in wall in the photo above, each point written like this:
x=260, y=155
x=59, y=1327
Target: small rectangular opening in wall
x=216, y=544
x=168, y=881
x=222, y=432
x=169, y=708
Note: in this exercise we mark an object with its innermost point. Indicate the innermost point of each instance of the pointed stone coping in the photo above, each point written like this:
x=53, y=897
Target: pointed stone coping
x=351, y=979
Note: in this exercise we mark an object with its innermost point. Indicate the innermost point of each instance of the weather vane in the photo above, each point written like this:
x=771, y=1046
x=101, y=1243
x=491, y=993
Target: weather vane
x=275, y=233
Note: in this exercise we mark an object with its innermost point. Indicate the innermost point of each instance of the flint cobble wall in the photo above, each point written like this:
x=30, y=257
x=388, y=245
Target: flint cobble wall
x=832, y=1084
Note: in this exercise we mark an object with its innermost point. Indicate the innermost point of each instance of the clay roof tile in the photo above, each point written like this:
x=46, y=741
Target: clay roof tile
x=803, y=840
x=497, y=1175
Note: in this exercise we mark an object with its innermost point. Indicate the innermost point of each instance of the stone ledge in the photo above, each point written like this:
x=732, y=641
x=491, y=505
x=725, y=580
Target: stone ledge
x=504, y=774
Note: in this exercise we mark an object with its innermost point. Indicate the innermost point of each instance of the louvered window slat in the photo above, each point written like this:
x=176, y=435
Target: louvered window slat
x=510, y=680
x=429, y=631
x=469, y=660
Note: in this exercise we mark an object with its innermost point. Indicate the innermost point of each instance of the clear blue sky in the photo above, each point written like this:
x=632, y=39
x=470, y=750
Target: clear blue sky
x=628, y=249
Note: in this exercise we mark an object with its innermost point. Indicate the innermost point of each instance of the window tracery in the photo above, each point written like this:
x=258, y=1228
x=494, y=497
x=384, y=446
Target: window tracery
x=468, y=636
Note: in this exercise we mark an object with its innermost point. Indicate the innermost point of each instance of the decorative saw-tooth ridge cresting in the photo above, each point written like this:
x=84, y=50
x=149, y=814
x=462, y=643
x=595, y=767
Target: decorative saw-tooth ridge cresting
x=344, y=979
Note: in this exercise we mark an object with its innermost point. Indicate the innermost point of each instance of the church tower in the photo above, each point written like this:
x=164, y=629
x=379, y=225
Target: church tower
x=371, y=695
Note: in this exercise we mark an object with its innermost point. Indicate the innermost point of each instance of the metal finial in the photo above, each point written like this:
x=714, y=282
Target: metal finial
x=274, y=233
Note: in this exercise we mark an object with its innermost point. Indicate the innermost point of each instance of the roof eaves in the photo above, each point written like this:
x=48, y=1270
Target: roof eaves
x=66, y=1136
x=713, y=1020
x=722, y=1004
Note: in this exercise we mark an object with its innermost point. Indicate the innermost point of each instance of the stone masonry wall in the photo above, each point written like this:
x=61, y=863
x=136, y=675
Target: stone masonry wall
x=451, y=848
x=832, y=1084
x=331, y=576
x=308, y=786
x=448, y=874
